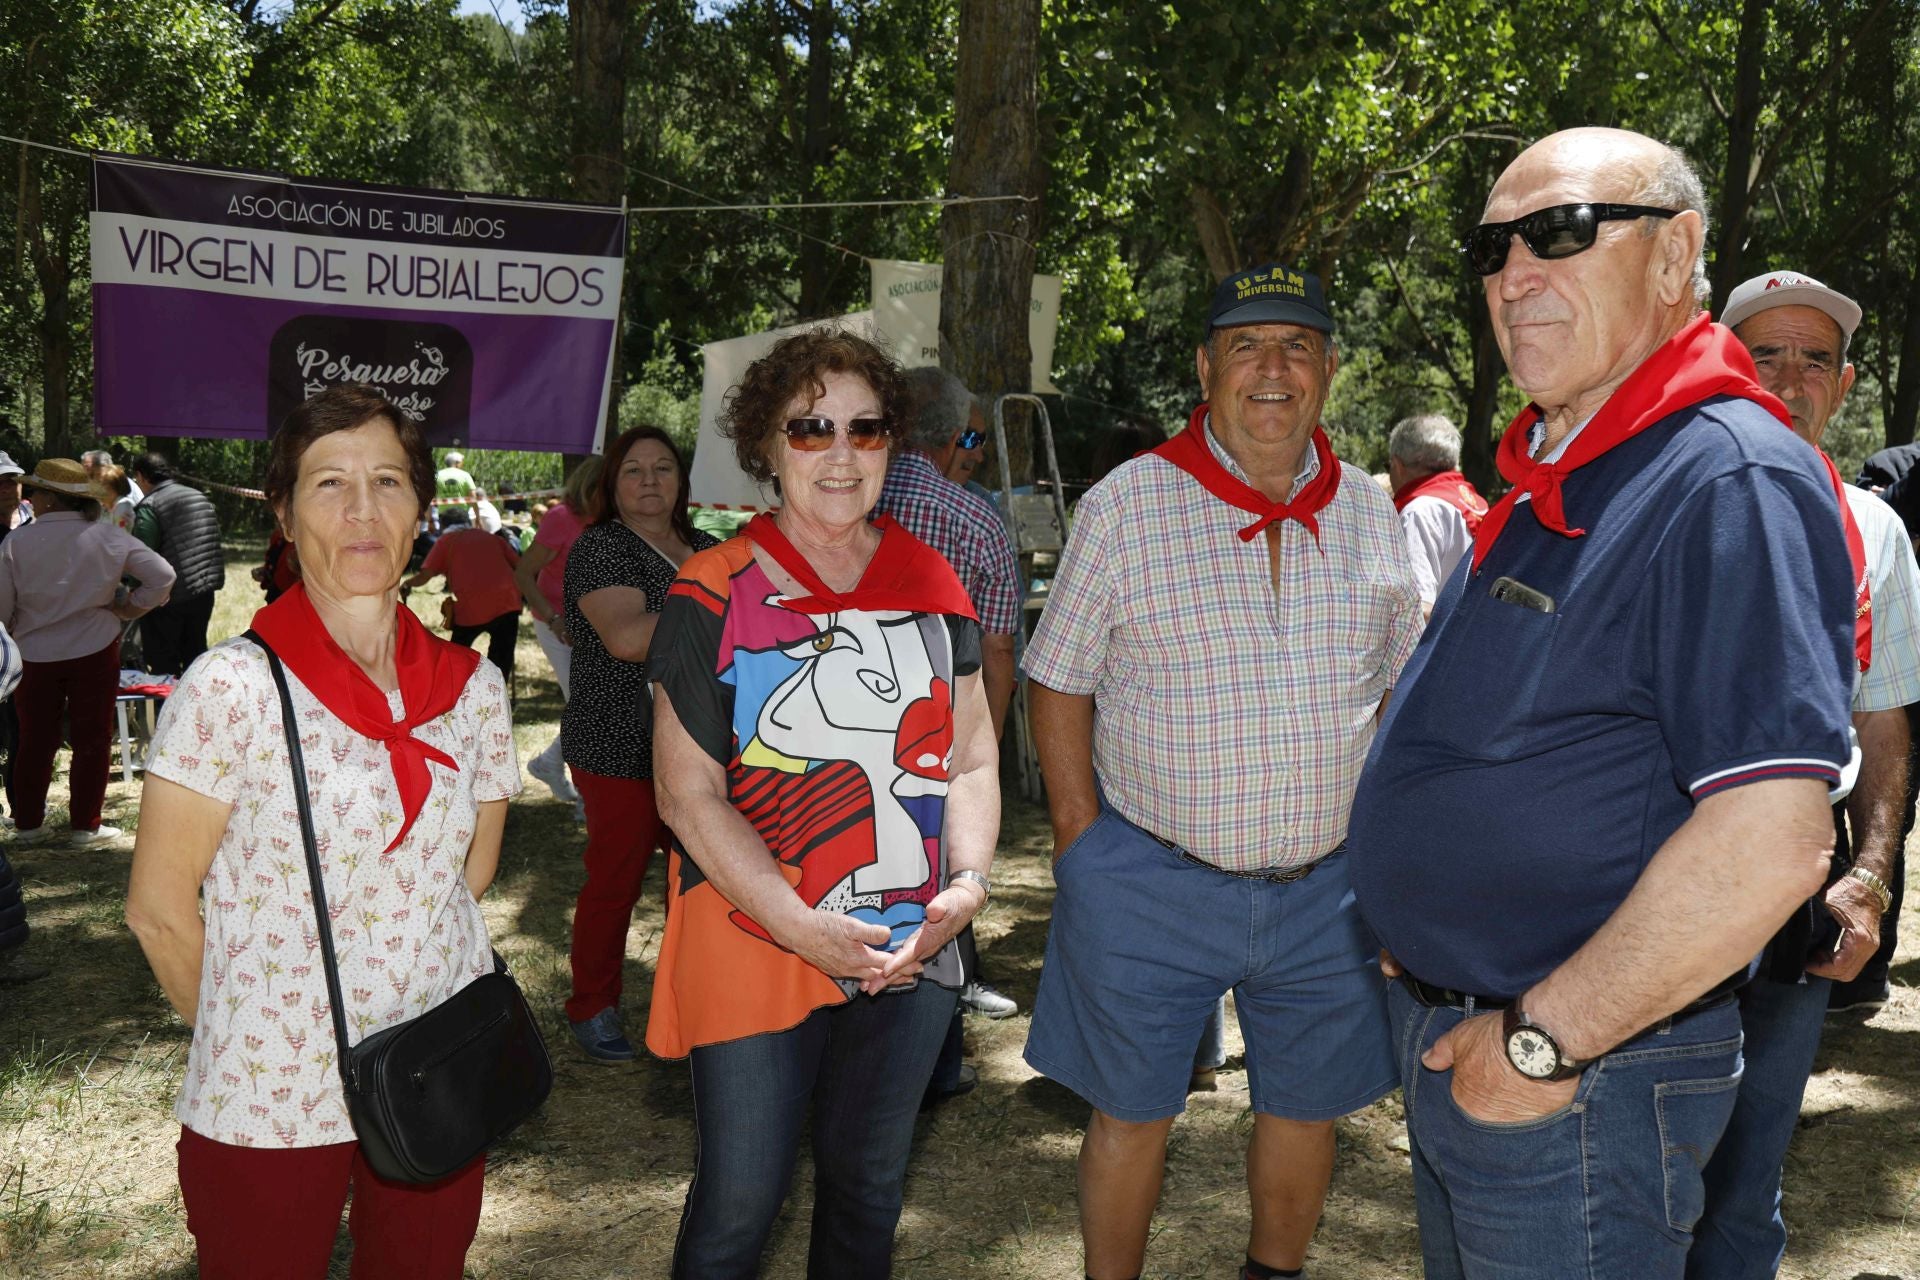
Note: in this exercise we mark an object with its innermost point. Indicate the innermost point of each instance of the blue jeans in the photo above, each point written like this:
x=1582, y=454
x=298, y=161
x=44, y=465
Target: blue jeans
x=1606, y=1187
x=859, y=1069
x=1742, y=1236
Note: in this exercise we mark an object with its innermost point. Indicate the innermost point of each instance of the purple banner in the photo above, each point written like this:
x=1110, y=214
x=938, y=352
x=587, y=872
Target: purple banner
x=223, y=300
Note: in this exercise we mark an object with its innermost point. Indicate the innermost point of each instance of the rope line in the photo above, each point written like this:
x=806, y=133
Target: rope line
x=716, y=207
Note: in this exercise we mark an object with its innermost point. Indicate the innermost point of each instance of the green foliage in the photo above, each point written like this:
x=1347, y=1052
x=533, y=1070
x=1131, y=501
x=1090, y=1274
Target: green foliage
x=1180, y=139
x=664, y=396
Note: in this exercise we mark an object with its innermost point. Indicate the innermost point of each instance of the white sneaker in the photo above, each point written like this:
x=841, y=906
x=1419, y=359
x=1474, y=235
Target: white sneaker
x=983, y=999
x=554, y=774
x=99, y=835
x=39, y=835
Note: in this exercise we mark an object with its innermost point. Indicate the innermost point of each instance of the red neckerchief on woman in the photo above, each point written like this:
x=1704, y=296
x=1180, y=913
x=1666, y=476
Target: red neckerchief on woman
x=905, y=574
x=432, y=671
x=1451, y=488
x=1703, y=360
x=1189, y=452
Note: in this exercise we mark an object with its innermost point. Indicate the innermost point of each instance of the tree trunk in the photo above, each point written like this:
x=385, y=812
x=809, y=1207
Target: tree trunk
x=49, y=237
x=1483, y=400
x=988, y=249
x=1278, y=231
x=816, y=152
x=1906, y=400
x=56, y=350
x=1736, y=178
x=597, y=31
x=1210, y=222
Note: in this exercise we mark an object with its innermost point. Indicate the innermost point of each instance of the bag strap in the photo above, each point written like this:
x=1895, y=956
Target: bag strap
x=298, y=760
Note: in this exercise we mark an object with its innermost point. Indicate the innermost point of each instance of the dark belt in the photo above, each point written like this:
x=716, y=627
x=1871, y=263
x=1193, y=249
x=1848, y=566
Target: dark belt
x=1447, y=998
x=1270, y=876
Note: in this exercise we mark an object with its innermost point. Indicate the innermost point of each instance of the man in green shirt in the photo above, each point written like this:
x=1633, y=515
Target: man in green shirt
x=453, y=480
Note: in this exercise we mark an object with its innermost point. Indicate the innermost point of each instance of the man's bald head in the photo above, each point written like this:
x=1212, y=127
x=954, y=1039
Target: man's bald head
x=1659, y=175
x=1574, y=326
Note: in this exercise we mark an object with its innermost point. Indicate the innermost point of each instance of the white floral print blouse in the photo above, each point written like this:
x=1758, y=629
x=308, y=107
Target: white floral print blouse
x=408, y=934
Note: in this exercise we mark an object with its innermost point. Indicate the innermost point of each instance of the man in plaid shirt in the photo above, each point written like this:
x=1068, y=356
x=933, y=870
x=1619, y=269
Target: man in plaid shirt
x=945, y=419
x=1204, y=693
x=959, y=524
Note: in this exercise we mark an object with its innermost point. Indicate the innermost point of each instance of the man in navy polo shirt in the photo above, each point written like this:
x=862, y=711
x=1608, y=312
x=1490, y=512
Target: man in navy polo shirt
x=1604, y=782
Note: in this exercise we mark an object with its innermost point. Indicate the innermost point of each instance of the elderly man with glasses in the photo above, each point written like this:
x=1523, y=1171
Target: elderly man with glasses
x=1605, y=781
x=1798, y=331
x=943, y=423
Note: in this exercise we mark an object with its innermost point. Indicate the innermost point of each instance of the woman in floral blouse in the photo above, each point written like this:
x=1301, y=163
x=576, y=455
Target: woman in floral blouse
x=409, y=754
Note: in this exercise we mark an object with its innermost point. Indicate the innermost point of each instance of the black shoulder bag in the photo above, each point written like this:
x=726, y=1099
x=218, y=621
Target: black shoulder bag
x=429, y=1094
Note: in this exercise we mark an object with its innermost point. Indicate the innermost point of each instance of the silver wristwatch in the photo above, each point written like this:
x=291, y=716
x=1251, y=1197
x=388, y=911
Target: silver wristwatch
x=986, y=885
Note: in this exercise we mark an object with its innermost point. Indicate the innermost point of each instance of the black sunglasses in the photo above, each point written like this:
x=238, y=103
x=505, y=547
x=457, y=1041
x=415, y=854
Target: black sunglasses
x=970, y=439
x=1557, y=232
x=811, y=435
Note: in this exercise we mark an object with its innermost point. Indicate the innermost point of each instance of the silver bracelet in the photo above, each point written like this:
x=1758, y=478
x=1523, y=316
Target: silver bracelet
x=1876, y=884
x=986, y=885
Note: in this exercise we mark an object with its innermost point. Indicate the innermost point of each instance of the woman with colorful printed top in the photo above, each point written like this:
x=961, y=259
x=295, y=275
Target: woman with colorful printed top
x=824, y=755
x=409, y=758
x=617, y=576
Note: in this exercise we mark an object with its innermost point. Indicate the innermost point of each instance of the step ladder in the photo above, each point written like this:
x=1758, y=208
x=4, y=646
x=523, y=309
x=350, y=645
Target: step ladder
x=1037, y=527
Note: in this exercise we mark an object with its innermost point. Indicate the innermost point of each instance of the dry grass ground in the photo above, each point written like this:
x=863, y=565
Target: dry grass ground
x=591, y=1188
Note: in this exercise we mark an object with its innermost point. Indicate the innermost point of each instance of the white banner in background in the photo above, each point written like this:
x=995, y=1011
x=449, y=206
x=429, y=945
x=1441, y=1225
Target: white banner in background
x=906, y=307
x=717, y=479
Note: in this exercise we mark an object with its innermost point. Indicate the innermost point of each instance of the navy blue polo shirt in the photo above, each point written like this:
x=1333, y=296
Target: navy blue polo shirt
x=1532, y=763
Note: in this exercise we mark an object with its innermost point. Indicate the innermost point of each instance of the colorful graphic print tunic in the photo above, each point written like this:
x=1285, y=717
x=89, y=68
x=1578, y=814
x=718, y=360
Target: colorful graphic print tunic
x=836, y=732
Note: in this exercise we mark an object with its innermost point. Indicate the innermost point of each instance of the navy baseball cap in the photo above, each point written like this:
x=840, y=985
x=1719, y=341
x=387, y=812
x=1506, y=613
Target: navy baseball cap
x=1270, y=294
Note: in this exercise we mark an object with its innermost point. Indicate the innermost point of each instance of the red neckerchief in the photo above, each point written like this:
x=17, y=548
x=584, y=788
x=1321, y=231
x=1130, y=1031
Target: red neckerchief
x=1451, y=488
x=1702, y=360
x=1190, y=452
x=1857, y=553
x=432, y=671
x=905, y=574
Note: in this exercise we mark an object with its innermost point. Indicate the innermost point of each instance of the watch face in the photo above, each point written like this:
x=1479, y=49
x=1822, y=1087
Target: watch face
x=1532, y=1053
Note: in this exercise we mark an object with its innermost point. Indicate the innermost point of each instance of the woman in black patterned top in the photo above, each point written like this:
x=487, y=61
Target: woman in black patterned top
x=617, y=577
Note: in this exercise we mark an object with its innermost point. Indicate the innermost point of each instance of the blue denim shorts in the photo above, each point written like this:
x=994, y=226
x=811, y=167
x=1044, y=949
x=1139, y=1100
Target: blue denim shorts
x=1143, y=945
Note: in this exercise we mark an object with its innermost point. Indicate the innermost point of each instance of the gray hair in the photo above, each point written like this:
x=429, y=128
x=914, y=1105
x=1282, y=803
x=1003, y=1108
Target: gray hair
x=1427, y=443
x=1675, y=184
x=938, y=406
x=100, y=456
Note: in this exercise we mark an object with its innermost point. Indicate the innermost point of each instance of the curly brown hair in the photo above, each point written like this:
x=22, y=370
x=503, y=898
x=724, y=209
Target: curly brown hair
x=756, y=409
x=341, y=408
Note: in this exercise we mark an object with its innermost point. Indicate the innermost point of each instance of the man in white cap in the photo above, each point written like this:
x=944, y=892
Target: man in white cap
x=1797, y=331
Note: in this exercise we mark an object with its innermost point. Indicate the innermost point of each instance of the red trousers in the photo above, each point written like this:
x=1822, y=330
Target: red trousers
x=623, y=827
x=82, y=691
x=271, y=1213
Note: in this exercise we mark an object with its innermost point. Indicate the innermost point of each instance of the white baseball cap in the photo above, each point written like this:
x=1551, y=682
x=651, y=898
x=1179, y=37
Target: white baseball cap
x=8, y=467
x=1790, y=289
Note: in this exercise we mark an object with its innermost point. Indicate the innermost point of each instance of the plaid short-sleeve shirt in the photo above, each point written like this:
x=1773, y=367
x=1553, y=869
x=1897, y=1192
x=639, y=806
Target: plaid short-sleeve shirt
x=1893, y=680
x=963, y=527
x=1234, y=684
